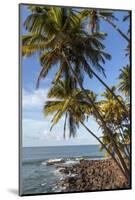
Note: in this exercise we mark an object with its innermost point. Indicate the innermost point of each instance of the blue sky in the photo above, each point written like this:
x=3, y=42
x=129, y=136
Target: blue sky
x=35, y=126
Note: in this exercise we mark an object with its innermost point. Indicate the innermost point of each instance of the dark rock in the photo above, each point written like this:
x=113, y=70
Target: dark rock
x=93, y=175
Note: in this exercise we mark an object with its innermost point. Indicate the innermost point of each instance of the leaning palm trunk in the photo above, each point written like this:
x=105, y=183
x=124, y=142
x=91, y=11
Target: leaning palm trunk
x=101, y=119
x=104, y=146
x=110, y=136
x=124, y=153
x=125, y=150
x=123, y=140
x=115, y=27
x=106, y=86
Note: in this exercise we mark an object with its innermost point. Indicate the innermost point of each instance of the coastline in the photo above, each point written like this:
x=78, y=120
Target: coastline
x=54, y=171
x=90, y=175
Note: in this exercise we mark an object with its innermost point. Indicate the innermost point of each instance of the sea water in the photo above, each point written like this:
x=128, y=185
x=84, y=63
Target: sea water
x=37, y=177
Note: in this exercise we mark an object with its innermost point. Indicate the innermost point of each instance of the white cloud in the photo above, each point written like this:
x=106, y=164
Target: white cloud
x=36, y=128
x=34, y=99
x=38, y=131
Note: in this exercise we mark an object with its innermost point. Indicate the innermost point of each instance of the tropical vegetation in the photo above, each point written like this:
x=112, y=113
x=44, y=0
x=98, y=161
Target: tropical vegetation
x=60, y=36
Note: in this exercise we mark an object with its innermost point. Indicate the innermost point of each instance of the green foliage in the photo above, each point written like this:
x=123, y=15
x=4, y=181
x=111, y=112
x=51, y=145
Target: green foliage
x=94, y=17
x=54, y=30
x=59, y=36
x=124, y=77
x=69, y=101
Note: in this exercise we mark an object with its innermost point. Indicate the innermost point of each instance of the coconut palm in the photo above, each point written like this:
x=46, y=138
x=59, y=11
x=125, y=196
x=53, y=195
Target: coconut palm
x=58, y=36
x=124, y=77
x=111, y=108
x=127, y=134
x=102, y=121
x=52, y=36
x=123, y=146
x=67, y=34
x=115, y=118
x=106, y=141
x=69, y=102
x=47, y=27
x=95, y=16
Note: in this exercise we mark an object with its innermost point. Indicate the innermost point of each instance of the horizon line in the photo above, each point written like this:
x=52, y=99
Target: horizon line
x=61, y=145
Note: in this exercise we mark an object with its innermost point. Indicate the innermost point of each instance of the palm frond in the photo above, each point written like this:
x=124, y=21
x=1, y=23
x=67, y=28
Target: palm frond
x=51, y=107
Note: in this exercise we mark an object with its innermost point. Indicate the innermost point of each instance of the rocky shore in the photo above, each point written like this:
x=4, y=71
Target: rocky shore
x=91, y=175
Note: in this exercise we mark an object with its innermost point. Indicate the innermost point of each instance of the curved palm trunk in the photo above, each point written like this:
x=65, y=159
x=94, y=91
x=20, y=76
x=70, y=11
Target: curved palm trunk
x=112, y=156
x=65, y=126
x=107, y=87
x=115, y=27
x=124, y=108
x=123, y=140
x=110, y=135
x=101, y=119
x=125, y=148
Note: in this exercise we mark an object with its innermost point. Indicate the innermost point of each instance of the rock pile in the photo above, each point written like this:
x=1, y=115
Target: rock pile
x=91, y=175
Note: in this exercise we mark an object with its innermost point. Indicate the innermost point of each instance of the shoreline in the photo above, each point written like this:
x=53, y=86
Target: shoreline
x=90, y=175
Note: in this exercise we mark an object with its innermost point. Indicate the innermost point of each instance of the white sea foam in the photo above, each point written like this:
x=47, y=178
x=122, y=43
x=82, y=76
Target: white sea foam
x=55, y=161
x=71, y=162
x=43, y=163
x=58, y=173
x=43, y=184
x=62, y=161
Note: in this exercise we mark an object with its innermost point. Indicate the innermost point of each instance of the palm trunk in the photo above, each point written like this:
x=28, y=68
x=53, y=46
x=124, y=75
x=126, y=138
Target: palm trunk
x=115, y=27
x=124, y=147
x=109, y=133
x=123, y=151
x=121, y=130
x=112, y=156
x=65, y=126
x=106, y=86
x=101, y=119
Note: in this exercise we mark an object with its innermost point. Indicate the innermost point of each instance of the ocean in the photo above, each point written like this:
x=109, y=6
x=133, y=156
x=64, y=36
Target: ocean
x=37, y=177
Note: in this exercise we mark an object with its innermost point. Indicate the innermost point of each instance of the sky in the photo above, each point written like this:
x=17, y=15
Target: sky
x=36, y=127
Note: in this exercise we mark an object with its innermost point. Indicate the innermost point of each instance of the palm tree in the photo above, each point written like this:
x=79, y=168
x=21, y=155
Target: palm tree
x=101, y=118
x=70, y=103
x=47, y=27
x=106, y=141
x=111, y=108
x=68, y=34
x=115, y=118
x=124, y=77
x=95, y=16
x=57, y=34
